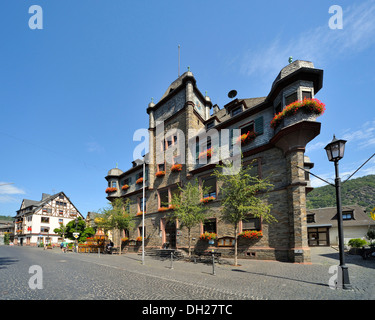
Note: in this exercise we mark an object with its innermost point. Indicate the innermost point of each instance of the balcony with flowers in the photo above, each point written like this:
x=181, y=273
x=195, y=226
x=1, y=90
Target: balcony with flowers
x=110, y=190
x=306, y=110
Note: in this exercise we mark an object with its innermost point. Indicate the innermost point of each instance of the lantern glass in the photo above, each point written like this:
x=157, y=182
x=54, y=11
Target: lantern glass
x=335, y=149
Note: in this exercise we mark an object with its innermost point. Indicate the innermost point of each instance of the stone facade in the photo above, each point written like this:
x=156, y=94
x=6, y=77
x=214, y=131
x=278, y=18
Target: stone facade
x=277, y=153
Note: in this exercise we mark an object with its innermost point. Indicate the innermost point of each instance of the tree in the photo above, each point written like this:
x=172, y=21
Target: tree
x=61, y=231
x=241, y=195
x=80, y=226
x=115, y=216
x=188, y=208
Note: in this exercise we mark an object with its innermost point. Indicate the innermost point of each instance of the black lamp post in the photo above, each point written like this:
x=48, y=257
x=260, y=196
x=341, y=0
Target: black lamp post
x=335, y=151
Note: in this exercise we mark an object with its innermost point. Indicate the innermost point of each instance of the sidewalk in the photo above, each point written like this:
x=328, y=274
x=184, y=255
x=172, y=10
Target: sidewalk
x=255, y=279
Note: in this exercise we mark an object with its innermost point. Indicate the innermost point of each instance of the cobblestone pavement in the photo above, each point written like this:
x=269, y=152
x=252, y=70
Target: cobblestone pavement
x=93, y=277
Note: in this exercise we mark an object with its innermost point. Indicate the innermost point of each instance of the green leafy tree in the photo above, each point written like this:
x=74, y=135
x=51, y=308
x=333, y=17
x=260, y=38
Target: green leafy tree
x=241, y=191
x=80, y=226
x=188, y=208
x=115, y=216
x=61, y=231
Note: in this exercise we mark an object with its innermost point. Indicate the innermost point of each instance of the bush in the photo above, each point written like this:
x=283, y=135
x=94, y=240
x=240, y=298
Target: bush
x=357, y=243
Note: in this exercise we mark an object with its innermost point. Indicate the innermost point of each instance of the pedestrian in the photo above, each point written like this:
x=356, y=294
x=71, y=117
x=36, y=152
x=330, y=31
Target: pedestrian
x=64, y=246
x=61, y=245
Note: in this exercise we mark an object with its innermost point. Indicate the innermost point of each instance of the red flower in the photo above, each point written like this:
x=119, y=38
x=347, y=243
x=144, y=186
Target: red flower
x=176, y=168
x=160, y=174
x=110, y=190
x=311, y=105
x=139, y=181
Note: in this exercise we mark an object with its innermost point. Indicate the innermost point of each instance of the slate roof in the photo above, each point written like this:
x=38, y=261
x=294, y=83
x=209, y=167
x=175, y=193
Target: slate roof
x=327, y=217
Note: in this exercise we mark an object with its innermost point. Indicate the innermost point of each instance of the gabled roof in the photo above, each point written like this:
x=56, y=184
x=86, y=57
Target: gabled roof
x=45, y=199
x=328, y=216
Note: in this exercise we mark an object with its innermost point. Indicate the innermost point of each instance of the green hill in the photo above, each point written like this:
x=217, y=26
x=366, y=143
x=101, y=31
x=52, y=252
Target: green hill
x=360, y=191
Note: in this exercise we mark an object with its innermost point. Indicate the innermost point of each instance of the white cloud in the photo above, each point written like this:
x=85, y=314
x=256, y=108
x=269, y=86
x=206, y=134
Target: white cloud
x=364, y=137
x=319, y=44
x=94, y=147
x=6, y=192
x=8, y=188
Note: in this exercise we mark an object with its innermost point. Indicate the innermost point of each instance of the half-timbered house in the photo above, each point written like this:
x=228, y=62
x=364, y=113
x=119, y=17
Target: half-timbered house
x=36, y=220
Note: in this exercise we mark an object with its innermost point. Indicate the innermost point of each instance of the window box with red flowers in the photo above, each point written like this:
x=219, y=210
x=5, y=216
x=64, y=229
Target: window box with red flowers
x=160, y=174
x=207, y=153
x=139, y=181
x=311, y=108
x=125, y=187
x=139, y=213
x=110, y=190
x=246, y=137
x=124, y=239
x=176, y=167
x=208, y=236
x=162, y=209
x=208, y=199
x=250, y=234
x=139, y=239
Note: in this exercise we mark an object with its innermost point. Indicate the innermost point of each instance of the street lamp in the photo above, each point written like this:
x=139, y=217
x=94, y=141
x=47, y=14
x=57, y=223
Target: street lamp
x=143, y=211
x=335, y=151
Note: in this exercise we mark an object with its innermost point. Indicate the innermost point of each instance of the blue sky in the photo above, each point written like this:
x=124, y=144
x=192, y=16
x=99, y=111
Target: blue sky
x=73, y=93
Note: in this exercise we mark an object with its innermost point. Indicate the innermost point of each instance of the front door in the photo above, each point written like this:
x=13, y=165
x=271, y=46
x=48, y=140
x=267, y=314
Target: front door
x=318, y=236
x=170, y=235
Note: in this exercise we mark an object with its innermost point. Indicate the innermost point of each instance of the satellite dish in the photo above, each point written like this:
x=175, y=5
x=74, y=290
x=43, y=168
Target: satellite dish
x=232, y=94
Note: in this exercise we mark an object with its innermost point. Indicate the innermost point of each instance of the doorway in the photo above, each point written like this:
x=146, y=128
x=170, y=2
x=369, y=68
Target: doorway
x=169, y=235
x=318, y=236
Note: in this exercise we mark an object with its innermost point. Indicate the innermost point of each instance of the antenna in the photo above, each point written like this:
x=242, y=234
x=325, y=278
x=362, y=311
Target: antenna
x=232, y=94
x=179, y=60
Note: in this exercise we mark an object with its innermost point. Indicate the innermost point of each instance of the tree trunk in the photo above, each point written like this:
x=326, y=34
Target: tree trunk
x=189, y=242
x=235, y=244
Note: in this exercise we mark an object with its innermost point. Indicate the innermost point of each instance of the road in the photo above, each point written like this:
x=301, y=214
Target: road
x=72, y=276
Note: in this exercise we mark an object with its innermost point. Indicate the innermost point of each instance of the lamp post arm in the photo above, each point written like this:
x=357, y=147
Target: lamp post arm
x=359, y=168
x=315, y=176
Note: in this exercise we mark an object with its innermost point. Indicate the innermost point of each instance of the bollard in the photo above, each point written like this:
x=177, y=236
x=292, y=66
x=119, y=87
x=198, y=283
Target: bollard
x=171, y=260
x=99, y=252
x=213, y=265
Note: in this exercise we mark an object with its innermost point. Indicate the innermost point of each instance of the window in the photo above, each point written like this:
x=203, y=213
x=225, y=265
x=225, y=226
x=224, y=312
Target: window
x=61, y=196
x=236, y=111
x=163, y=199
x=247, y=128
x=210, y=124
x=209, y=182
x=310, y=218
x=126, y=181
x=140, y=204
x=140, y=231
x=347, y=215
x=251, y=223
x=209, y=225
x=45, y=219
x=44, y=230
x=306, y=95
x=114, y=184
x=61, y=212
x=61, y=220
x=291, y=98
x=161, y=167
x=278, y=108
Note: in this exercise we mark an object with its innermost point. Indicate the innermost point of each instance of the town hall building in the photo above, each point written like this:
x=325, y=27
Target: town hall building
x=276, y=151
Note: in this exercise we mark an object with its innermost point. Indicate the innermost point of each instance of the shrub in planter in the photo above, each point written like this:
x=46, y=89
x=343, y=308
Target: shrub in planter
x=357, y=243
